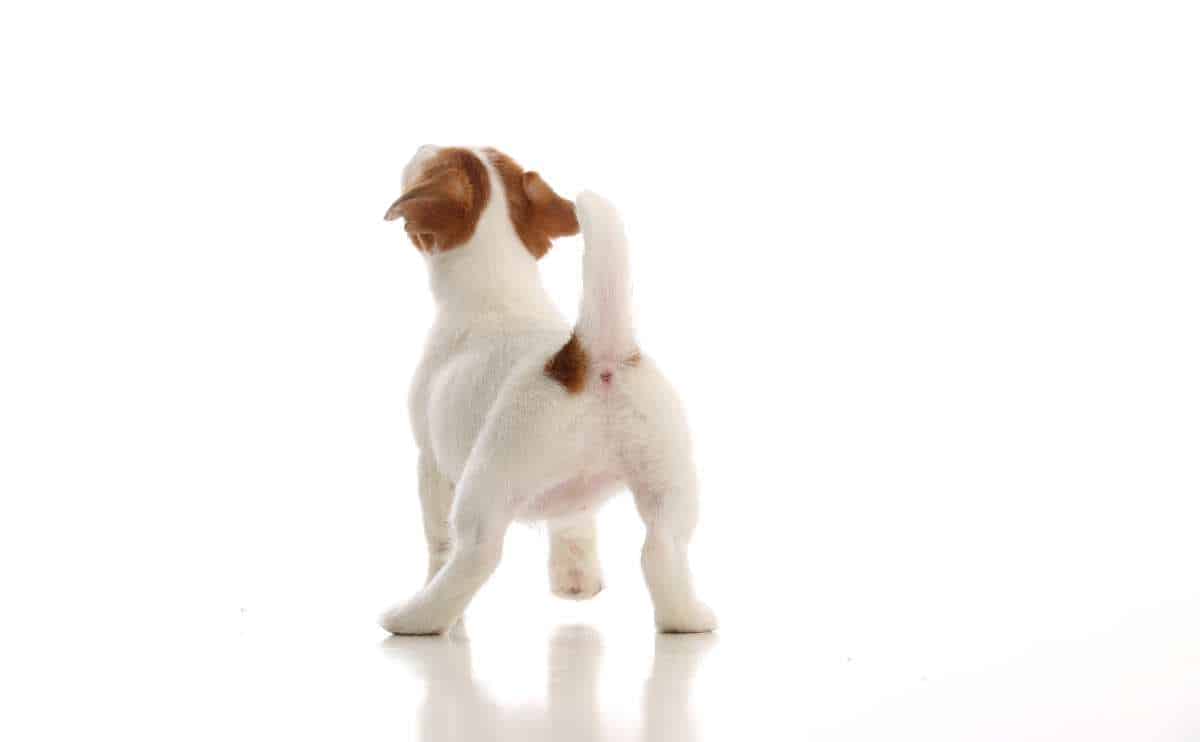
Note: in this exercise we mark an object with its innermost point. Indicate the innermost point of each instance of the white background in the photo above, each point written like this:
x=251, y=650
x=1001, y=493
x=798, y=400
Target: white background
x=925, y=274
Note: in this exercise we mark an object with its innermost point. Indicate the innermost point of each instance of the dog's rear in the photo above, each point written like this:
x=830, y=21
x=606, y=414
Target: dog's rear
x=651, y=437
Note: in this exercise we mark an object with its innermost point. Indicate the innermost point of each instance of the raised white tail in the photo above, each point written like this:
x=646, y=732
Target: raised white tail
x=605, y=326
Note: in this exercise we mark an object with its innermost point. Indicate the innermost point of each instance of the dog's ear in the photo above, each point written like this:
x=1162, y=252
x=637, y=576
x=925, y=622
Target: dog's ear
x=551, y=213
x=441, y=209
x=433, y=208
x=538, y=214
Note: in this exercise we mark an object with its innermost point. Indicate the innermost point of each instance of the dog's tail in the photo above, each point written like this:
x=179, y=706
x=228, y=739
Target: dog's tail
x=603, y=337
x=605, y=326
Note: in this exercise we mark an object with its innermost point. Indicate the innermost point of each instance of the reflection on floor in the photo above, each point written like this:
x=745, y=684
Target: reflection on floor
x=457, y=707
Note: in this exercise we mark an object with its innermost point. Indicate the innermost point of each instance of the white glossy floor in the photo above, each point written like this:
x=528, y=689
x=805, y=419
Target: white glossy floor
x=575, y=682
x=828, y=665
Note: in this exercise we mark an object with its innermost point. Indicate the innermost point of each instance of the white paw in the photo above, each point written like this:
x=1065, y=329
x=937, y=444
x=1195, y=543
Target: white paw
x=693, y=619
x=575, y=580
x=408, y=621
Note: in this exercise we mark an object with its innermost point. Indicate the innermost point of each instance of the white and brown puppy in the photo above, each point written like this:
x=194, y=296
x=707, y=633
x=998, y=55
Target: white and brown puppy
x=519, y=418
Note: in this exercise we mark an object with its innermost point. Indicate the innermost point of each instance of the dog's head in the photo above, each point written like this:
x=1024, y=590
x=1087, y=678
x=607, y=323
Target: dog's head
x=447, y=189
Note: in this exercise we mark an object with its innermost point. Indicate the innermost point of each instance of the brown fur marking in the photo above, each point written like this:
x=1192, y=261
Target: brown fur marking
x=538, y=213
x=569, y=366
x=443, y=205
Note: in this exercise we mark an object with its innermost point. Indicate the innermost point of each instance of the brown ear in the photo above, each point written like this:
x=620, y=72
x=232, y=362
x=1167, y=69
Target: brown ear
x=441, y=209
x=430, y=207
x=538, y=214
x=552, y=213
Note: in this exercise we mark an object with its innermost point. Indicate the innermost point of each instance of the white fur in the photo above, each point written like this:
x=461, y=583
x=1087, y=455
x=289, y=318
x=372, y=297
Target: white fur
x=605, y=315
x=499, y=440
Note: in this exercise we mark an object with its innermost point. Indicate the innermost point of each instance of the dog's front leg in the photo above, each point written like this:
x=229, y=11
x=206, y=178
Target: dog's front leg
x=479, y=520
x=574, y=562
x=437, y=495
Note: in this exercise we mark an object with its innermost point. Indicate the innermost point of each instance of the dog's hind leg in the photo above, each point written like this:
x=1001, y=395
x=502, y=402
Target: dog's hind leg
x=574, y=562
x=668, y=508
x=657, y=456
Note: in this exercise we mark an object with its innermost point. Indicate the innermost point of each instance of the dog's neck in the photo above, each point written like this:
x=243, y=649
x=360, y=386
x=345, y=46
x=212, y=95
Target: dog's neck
x=492, y=273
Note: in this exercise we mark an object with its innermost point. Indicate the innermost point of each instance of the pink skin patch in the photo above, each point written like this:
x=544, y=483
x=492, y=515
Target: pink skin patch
x=571, y=497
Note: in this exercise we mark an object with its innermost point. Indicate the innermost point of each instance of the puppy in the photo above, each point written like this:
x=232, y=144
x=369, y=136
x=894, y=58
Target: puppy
x=516, y=416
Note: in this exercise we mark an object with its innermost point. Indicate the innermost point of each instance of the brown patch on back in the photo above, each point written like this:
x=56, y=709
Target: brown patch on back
x=569, y=366
x=442, y=207
x=538, y=213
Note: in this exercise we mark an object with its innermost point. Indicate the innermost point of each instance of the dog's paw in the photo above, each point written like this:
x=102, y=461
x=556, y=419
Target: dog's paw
x=405, y=621
x=696, y=618
x=576, y=581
